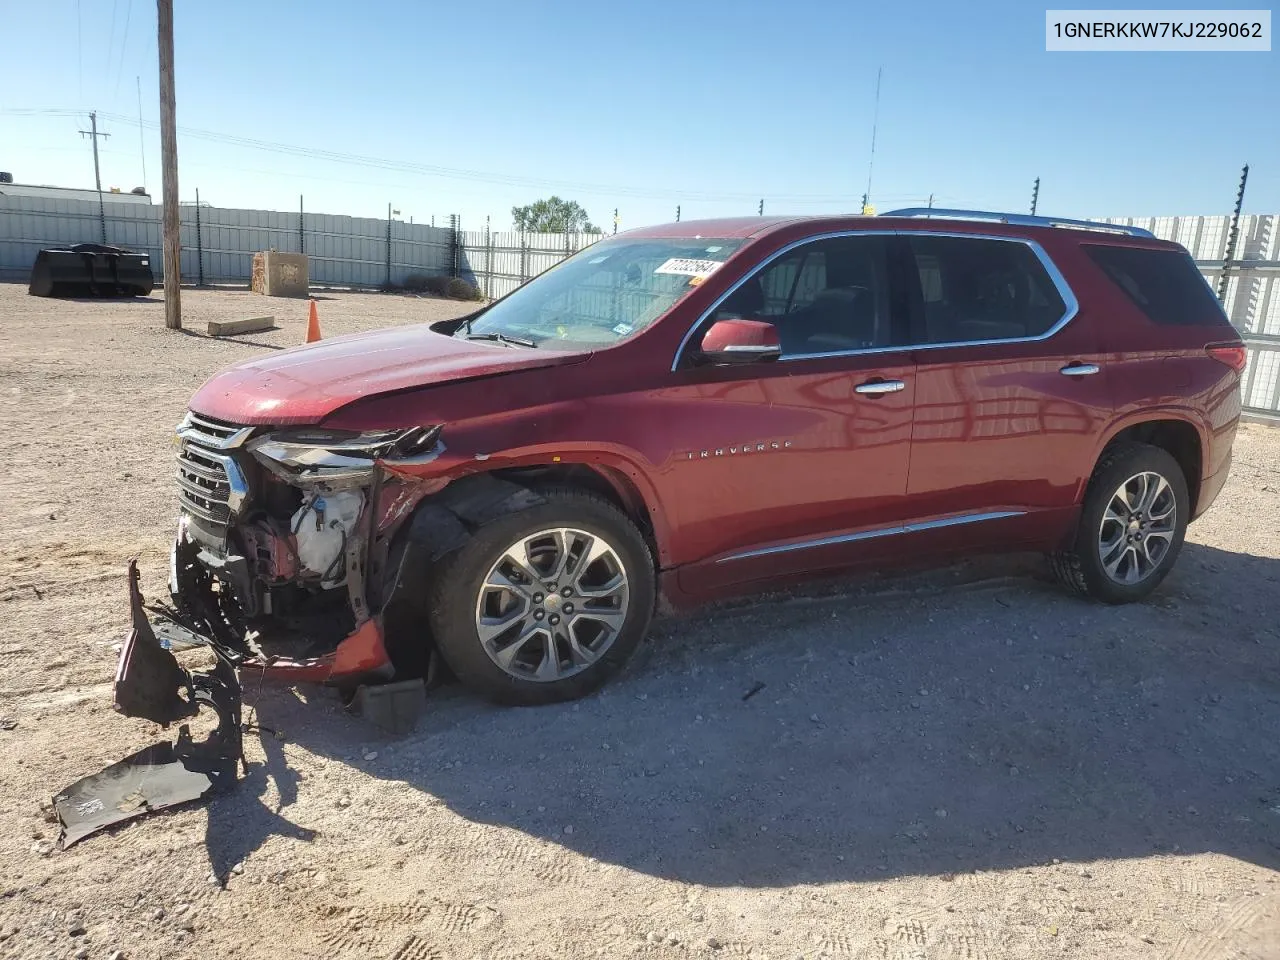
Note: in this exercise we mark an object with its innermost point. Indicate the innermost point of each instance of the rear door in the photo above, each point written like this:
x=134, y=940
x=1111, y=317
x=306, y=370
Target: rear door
x=1011, y=390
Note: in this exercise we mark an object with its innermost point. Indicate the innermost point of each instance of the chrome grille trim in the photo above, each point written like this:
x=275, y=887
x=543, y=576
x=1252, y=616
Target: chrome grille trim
x=211, y=484
x=211, y=433
x=191, y=465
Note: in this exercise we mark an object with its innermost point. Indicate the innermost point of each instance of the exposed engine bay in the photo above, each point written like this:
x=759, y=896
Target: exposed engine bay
x=283, y=564
x=282, y=551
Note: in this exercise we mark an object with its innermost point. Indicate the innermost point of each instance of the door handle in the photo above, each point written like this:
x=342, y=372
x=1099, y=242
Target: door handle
x=877, y=387
x=1079, y=370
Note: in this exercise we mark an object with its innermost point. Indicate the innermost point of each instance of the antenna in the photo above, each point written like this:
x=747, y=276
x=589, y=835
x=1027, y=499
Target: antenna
x=142, y=142
x=1035, y=196
x=875, y=122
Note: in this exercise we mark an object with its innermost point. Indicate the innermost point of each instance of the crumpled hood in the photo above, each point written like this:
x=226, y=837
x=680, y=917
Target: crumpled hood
x=305, y=384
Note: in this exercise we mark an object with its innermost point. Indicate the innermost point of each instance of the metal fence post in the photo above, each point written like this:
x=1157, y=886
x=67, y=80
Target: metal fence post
x=488, y=261
x=388, y=281
x=524, y=258
x=455, y=242
x=1232, y=234
x=302, y=237
x=199, y=245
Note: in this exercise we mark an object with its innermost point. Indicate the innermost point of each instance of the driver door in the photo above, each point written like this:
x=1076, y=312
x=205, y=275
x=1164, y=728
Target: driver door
x=794, y=465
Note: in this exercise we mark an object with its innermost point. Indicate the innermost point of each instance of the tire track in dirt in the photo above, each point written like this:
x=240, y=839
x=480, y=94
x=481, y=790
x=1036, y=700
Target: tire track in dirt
x=509, y=852
x=395, y=927
x=416, y=948
x=1248, y=930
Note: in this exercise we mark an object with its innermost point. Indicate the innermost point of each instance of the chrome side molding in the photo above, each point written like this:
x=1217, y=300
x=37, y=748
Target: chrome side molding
x=873, y=534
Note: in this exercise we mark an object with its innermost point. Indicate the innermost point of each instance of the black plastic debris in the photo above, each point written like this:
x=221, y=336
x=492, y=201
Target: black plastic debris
x=150, y=683
x=162, y=775
x=91, y=270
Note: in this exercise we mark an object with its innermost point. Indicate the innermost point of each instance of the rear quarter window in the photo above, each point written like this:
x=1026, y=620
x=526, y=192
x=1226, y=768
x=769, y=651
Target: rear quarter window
x=1165, y=284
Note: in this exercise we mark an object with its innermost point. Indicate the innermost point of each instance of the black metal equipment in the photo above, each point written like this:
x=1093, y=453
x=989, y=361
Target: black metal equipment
x=91, y=270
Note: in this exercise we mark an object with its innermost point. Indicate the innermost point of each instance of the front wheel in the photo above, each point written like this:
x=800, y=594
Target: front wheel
x=545, y=604
x=1131, y=528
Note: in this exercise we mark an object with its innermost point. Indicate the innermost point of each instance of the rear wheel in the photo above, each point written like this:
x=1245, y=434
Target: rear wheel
x=546, y=604
x=1131, y=527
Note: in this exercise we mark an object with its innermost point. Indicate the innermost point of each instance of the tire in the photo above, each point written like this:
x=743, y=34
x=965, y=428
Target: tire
x=478, y=587
x=1104, y=563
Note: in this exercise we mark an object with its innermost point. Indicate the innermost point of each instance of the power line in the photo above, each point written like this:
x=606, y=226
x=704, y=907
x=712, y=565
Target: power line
x=111, y=42
x=79, y=52
x=124, y=44
x=455, y=173
x=410, y=167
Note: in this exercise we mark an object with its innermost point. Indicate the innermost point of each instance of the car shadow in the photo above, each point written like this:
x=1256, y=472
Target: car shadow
x=237, y=825
x=898, y=727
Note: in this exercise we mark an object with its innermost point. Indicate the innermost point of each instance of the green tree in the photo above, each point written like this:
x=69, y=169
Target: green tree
x=553, y=215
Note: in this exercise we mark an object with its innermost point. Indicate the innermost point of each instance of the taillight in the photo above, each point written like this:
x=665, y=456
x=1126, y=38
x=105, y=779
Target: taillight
x=1233, y=355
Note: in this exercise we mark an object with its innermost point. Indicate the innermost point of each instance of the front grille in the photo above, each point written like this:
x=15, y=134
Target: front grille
x=214, y=433
x=203, y=487
x=210, y=484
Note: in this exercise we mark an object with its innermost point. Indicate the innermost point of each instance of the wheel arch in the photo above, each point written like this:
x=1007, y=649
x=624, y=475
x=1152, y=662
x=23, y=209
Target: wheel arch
x=1175, y=432
x=616, y=484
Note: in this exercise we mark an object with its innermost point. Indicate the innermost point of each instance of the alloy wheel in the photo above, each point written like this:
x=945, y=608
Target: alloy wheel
x=552, y=604
x=1138, y=528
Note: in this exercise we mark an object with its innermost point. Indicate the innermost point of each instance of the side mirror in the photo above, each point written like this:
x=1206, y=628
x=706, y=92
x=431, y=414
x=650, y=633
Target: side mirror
x=740, y=341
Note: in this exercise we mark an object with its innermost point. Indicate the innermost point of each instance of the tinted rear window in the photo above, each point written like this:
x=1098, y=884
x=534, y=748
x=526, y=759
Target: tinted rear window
x=978, y=290
x=1165, y=283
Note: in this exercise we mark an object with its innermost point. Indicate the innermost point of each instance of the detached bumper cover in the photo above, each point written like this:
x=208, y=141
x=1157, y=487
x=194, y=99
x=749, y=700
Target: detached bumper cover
x=152, y=685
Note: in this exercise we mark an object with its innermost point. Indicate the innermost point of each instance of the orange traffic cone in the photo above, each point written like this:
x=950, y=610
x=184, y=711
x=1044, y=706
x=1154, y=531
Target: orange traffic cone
x=313, y=325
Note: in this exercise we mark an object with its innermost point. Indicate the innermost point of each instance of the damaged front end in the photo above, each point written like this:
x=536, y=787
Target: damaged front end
x=283, y=549
x=283, y=566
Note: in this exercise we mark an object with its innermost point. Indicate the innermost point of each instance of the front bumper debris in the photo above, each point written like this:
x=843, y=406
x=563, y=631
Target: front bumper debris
x=152, y=685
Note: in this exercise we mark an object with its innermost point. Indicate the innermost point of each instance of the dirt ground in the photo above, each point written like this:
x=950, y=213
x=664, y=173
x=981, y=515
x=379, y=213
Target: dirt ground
x=966, y=764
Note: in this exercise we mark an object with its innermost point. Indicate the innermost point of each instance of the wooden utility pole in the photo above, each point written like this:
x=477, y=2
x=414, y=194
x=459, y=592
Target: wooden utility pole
x=169, y=161
x=93, y=133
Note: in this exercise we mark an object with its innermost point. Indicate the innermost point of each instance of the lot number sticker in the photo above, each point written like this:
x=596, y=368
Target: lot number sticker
x=685, y=267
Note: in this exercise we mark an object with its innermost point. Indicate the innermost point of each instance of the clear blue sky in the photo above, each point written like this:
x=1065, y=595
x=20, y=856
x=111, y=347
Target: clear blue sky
x=636, y=106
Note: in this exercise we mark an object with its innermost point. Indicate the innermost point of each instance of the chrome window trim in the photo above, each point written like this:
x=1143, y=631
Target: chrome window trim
x=876, y=533
x=748, y=348
x=1071, y=306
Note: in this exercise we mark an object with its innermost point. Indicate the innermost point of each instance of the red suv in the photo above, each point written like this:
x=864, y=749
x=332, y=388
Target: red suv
x=688, y=411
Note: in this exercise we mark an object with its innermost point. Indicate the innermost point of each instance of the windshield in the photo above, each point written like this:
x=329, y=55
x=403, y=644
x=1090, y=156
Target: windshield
x=603, y=294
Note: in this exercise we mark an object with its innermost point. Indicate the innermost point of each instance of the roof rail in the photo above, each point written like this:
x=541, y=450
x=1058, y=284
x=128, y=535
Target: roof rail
x=1020, y=219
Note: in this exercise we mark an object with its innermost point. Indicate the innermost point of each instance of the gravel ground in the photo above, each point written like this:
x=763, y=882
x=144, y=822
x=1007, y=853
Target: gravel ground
x=961, y=764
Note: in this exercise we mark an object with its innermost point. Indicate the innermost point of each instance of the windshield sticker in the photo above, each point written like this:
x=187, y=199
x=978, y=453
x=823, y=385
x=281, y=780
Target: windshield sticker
x=600, y=259
x=687, y=267
x=714, y=249
x=622, y=329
